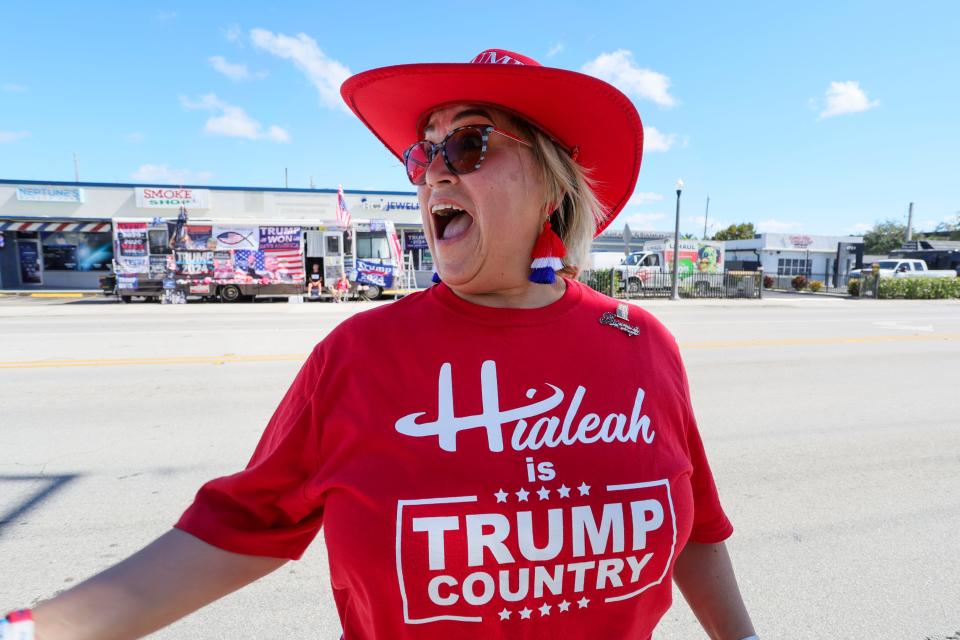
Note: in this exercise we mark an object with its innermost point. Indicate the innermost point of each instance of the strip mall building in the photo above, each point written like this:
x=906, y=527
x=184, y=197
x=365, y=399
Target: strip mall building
x=58, y=235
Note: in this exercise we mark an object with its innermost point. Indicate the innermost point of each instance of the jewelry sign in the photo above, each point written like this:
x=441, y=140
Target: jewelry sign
x=172, y=198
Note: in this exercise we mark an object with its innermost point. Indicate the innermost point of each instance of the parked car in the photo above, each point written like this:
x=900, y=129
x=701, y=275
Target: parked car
x=903, y=268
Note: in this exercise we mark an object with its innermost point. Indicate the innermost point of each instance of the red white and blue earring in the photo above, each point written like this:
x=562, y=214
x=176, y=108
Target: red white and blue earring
x=548, y=254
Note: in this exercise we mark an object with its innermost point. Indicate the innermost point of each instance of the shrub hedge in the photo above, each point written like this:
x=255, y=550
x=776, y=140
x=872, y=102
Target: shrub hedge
x=919, y=288
x=605, y=281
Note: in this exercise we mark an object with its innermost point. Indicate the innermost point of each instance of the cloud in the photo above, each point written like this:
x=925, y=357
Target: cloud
x=13, y=136
x=640, y=197
x=846, y=97
x=619, y=69
x=165, y=16
x=638, y=221
x=653, y=140
x=713, y=224
x=777, y=226
x=14, y=88
x=860, y=227
x=135, y=136
x=555, y=49
x=232, y=121
x=232, y=33
x=236, y=72
x=325, y=73
x=163, y=174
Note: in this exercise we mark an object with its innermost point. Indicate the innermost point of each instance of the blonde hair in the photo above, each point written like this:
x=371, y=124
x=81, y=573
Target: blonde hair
x=568, y=189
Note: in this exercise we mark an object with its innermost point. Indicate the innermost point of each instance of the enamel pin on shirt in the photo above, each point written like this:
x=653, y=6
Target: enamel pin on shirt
x=619, y=320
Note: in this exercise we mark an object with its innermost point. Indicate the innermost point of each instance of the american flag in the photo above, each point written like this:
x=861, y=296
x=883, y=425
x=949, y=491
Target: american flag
x=243, y=257
x=284, y=261
x=343, y=214
x=395, y=242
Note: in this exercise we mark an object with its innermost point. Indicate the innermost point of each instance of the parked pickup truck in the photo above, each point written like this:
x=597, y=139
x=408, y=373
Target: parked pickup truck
x=905, y=269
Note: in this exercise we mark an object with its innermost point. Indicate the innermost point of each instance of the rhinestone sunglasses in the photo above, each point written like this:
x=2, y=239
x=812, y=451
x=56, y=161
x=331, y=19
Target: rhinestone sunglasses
x=463, y=150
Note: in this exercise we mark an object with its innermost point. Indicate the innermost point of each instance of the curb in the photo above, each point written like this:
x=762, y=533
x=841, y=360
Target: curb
x=810, y=294
x=50, y=294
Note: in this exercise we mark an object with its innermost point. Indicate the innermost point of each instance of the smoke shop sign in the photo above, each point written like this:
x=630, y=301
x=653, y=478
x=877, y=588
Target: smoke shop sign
x=172, y=198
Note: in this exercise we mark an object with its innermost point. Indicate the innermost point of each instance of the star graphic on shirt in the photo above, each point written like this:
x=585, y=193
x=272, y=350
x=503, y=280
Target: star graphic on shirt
x=564, y=491
x=584, y=489
x=545, y=610
x=522, y=495
x=583, y=602
x=544, y=493
x=563, y=606
x=525, y=613
x=501, y=495
x=505, y=614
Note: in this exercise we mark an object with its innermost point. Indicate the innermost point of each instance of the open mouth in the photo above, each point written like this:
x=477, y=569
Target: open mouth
x=450, y=221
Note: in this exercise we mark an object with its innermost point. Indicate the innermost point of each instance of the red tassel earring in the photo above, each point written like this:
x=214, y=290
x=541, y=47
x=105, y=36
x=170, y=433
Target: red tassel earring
x=548, y=254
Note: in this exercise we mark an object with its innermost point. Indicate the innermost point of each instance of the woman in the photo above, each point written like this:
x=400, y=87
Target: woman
x=536, y=472
x=341, y=288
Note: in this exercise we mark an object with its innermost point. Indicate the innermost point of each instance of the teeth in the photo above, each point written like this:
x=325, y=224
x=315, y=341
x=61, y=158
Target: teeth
x=444, y=209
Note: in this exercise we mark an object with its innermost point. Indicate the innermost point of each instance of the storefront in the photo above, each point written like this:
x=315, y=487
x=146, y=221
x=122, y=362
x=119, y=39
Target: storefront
x=54, y=255
x=56, y=235
x=825, y=258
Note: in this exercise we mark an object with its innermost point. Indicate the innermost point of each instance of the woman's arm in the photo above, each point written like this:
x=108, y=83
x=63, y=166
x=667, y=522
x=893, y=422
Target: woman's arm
x=170, y=578
x=704, y=574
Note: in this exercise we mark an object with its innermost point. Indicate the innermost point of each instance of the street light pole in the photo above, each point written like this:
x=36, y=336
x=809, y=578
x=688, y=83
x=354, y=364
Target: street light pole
x=676, y=247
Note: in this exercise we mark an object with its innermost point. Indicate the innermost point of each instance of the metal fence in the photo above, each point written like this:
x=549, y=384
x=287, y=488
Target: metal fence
x=730, y=284
x=828, y=281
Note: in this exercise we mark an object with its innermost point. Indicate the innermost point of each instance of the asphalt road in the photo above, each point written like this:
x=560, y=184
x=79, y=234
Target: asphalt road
x=831, y=424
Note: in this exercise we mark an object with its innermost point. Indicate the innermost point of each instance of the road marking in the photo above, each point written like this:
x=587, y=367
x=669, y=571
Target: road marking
x=56, y=295
x=898, y=324
x=121, y=362
x=798, y=342
x=231, y=358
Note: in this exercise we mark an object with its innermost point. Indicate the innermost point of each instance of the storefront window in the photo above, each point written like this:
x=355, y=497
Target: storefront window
x=72, y=251
x=793, y=266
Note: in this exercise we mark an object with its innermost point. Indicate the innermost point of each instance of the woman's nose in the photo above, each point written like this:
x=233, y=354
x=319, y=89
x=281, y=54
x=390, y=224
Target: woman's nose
x=437, y=172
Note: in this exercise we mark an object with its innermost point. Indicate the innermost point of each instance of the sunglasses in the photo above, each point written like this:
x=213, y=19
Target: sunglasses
x=463, y=150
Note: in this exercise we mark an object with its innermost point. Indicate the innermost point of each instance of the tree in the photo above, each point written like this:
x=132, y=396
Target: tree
x=885, y=237
x=947, y=229
x=742, y=231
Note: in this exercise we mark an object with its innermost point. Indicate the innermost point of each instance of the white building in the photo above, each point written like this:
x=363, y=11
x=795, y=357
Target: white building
x=57, y=235
x=791, y=254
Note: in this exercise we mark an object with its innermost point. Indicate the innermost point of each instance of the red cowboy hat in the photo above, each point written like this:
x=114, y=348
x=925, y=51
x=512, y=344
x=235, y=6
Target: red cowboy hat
x=587, y=116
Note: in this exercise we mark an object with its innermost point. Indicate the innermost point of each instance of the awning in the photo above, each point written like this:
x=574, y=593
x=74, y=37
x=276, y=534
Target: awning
x=83, y=227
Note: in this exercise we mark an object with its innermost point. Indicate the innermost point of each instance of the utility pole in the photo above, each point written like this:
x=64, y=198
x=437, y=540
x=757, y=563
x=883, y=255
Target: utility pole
x=286, y=179
x=910, y=223
x=706, y=216
x=76, y=168
x=311, y=183
x=675, y=290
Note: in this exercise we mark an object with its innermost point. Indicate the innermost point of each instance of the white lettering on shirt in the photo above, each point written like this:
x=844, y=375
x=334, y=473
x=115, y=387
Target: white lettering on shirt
x=548, y=431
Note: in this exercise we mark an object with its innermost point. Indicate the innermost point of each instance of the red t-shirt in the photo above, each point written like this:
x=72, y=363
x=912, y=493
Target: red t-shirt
x=482, y=473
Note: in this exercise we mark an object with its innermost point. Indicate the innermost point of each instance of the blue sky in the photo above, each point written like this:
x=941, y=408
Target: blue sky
x=813, y=117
